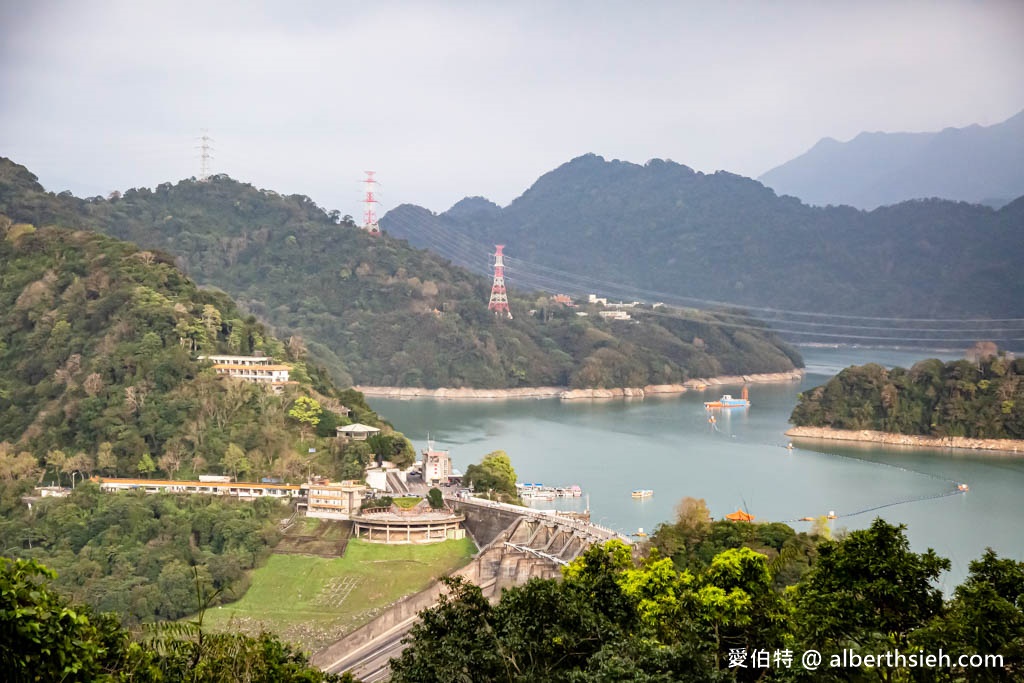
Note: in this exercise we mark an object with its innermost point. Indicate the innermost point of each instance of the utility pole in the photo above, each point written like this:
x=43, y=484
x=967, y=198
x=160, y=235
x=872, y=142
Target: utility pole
x=370, y=214
x=204, y=156
x=499, y=297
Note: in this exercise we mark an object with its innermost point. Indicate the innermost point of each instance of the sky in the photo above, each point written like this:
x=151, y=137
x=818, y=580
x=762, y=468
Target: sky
x=451, y=99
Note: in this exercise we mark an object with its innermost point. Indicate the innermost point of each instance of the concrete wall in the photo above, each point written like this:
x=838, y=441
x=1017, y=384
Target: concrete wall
x=485, y=524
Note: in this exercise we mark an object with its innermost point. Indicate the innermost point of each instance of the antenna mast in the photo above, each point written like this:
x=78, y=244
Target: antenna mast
x=370, y=214
x=204, y=156
x=499, y=297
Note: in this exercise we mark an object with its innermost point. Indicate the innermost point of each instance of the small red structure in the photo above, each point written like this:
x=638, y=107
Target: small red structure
x=499, y=297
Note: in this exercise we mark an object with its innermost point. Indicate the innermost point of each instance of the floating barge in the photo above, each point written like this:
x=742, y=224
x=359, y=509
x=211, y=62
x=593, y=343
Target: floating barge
x=727, y=401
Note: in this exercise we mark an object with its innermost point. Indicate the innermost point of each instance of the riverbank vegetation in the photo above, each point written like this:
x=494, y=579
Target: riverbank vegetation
x=375, y=311
x=615, y=616
x=981, y=399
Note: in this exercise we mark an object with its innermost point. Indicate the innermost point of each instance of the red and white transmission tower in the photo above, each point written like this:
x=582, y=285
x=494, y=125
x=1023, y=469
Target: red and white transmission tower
x=499, y=298
x=370, y=214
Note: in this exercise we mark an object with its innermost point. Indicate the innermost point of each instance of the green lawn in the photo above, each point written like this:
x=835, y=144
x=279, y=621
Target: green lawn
x=311, y=601
x=407, y=502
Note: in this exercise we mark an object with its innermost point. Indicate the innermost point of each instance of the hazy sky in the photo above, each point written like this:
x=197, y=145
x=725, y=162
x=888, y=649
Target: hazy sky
x=448, y=99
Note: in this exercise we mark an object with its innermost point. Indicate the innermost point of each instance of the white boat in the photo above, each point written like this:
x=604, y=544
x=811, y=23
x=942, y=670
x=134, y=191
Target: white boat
x=642, y=493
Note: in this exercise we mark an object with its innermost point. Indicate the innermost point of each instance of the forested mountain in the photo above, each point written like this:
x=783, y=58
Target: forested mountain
x=99, y=368
x=975, y=164
x=961, y=398
x=376, y=311
x=673, y=232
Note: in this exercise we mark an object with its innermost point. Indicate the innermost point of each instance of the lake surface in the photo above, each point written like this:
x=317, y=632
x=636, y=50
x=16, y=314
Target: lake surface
x=667, y=444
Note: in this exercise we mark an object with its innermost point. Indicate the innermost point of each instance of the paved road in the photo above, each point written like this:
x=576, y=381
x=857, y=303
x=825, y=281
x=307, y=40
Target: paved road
x=370, y=663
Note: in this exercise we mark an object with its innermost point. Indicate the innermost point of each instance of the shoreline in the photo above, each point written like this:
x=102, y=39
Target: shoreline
x=1015, y=446
x=567, y=394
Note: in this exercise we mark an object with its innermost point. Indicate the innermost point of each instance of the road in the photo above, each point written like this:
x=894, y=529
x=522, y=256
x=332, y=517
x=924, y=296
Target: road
x=370, y=663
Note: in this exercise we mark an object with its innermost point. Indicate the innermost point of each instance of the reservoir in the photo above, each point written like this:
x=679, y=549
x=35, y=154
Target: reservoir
x=741, y=461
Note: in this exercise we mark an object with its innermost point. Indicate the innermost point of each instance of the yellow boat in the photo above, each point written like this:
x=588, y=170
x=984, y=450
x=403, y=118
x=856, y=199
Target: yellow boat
x=643, y=493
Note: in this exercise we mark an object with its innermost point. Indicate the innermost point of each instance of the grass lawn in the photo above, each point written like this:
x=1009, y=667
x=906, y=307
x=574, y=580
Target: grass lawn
x=407, y=502
x=311, y=601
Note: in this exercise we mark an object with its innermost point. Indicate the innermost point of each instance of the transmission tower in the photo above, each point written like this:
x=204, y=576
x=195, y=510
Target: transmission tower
x=204, y=156
x=499, y=298
x=370, y=214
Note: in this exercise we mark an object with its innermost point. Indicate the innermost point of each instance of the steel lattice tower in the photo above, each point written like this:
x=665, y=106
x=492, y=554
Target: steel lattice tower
x=370, y=214
x=499, y=298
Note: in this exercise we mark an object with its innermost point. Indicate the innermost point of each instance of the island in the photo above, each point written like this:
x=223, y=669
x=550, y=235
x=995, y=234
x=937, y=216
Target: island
x=973, y=403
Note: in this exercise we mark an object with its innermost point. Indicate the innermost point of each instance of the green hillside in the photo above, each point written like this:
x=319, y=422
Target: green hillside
x=99, y=368
x=375, y=311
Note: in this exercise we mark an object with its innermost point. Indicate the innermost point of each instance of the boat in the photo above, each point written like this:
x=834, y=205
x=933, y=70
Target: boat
x=727, y=401
x=643, y=493
x=640, y=533
x=962, y=487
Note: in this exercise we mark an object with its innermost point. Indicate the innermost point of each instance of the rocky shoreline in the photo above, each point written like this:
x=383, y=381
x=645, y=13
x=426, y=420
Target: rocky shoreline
x=1008, y=445
x=567, y=394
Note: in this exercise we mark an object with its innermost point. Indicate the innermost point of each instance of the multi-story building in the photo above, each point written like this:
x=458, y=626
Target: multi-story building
x=260, y=369
x=338, y=500
x=437, y=467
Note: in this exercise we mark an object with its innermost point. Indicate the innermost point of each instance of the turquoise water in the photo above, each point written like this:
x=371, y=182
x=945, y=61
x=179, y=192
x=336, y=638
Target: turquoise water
x=666, y=444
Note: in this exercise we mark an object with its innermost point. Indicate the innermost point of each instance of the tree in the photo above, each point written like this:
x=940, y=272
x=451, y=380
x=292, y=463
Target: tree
x=986, y=615
x=170, y=461
x=58, y=460
x=435, y=498
x=453, y=641
x=146, y=465
x=106, y=461
x=494, y=473
x=234, y=460
x=868, y=589
x=306, y=411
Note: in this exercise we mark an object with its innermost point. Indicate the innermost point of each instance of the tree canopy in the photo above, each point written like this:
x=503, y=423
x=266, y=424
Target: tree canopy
x=983, y=399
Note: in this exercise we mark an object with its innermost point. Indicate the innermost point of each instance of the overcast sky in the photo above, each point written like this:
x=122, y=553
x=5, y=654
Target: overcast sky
x=449, y=99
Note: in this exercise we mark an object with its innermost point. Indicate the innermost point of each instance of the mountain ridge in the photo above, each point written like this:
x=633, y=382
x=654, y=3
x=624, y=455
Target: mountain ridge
x=974, y=163
x=666, y=229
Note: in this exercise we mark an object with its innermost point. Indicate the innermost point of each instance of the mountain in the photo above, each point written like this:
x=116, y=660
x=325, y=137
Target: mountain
x=978, y=164
x=661, y=231
x=376, y=311
x=99, y=368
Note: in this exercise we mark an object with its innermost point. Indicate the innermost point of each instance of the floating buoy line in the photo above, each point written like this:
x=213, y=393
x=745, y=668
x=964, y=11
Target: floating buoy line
x=956, y=486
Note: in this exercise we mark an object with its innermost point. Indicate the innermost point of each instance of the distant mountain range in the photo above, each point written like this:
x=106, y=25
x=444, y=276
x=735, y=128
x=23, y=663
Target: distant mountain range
x=664, y=232
x=978, y=164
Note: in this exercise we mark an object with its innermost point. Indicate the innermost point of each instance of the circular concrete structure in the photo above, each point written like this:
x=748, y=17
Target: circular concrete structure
x=383, y=525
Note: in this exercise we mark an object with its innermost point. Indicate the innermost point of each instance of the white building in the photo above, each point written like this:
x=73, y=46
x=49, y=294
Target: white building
x=437, y=467
x=356, y=432
x=260, y=369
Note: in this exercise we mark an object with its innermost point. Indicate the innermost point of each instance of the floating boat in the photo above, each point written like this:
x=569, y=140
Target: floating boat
x=643, y=493
x=962, y=487
x=727, y=401
x=640, y=533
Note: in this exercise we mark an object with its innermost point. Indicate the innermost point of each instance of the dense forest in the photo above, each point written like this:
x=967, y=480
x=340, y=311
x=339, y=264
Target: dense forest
x=375, y=311
x=100, y=375
x=46, y=637
x=140, y=555
x=677, y=233
x=748, y=612
x=983, y=399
